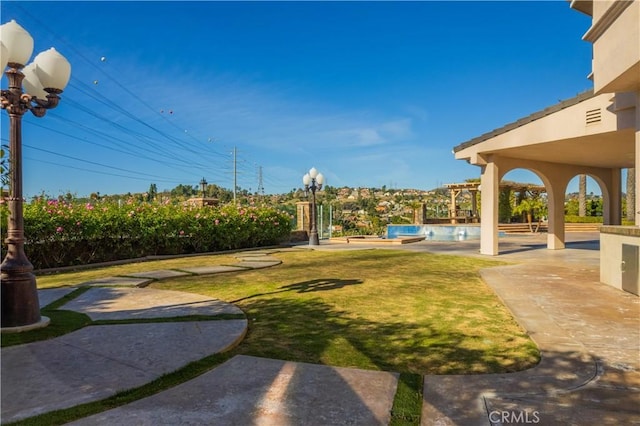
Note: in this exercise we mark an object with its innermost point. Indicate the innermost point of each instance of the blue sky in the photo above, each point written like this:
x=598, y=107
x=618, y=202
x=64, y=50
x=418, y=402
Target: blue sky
x=370, y=93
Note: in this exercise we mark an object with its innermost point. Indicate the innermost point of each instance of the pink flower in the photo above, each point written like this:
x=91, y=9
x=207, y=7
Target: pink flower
x=78, y=223
x=217, y=222
x=181, y=232
x=89, y=206
x=59, y=229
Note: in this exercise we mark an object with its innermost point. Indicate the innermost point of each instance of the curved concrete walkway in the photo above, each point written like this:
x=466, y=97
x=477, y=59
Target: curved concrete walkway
x=98, y=361
x=588, y=333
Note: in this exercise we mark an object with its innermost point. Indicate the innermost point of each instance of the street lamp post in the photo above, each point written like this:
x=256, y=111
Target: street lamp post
x=43, y=80
x=203, y=186
x=313, y=181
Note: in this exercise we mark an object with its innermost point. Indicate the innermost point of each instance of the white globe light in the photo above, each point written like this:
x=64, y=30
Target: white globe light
x=306, y=179
x=31, y=82
x=4, y=56
x=313, y=173
x=320, y=178
x=53, y=69
x=18, y=42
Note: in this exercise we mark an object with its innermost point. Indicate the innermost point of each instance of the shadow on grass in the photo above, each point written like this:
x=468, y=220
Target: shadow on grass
x=322, y=284
x=313, y=331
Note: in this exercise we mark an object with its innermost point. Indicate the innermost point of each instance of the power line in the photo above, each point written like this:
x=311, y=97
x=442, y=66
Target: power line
x=94, y=171
x=91, y=162
x=150, y=142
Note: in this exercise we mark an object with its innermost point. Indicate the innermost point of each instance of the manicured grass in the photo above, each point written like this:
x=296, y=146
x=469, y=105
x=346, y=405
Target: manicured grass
x=374, y=309
x=413, y=313
x=407, y=404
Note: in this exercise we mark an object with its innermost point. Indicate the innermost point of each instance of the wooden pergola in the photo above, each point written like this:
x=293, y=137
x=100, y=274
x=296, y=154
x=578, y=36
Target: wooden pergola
x=455, y=189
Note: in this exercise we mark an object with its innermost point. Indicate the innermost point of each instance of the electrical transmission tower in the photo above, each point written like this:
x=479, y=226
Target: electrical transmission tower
x=260, y=183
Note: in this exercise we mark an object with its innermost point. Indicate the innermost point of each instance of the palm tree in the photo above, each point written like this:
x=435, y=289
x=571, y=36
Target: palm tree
x=533, y=206
x=631, y=194
x=582, y=196
x=416, y=206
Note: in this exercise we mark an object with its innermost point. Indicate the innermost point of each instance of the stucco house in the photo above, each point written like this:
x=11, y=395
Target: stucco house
x=596, y=133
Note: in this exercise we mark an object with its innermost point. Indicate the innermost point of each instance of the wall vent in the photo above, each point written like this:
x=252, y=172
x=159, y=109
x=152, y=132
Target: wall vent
x=593, y=116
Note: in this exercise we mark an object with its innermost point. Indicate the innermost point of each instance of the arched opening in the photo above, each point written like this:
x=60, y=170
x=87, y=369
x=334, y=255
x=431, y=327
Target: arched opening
x=522, y=204
x=584, y=201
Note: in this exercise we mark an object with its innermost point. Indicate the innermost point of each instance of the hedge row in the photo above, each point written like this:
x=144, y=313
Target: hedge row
x=582, y=219
x=61, y=234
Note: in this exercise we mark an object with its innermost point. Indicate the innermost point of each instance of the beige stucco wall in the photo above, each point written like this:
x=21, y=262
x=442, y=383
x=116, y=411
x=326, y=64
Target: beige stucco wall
x=611, y=257
x=615, y=34
x=601, y=140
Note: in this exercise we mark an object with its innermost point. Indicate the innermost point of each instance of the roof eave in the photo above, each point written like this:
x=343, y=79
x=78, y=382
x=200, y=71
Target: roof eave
x=526, y=120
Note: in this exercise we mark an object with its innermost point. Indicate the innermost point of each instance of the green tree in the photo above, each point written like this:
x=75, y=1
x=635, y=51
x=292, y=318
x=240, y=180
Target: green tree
x=631, y=194
x=533, y=206
x=152, y=192
x=222, y=194
x=505, y=203
x=571, y=207
x=184, y=191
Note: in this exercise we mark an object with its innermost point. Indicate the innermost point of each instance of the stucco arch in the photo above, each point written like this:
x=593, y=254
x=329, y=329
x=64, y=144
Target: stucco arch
x=505, y=171
x=510, y=167
x=601, y=185
x=611, y=189
x=555, y=177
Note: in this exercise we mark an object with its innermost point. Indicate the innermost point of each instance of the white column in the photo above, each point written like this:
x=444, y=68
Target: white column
x=490, y=186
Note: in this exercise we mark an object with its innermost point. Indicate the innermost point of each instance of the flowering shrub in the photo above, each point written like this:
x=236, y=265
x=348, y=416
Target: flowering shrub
x=61, y=234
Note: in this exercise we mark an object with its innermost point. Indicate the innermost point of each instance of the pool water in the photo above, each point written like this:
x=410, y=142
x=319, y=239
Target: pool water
x=436, y=232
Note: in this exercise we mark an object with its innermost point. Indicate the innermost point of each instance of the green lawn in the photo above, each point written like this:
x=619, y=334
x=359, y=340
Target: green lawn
x=375, y=309
x=412, y=313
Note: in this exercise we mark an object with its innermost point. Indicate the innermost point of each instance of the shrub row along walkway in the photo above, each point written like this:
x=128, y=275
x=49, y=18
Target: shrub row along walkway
x=588, y=334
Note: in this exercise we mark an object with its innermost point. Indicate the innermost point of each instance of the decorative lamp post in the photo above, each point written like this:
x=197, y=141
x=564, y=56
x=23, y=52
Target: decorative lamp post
x=42, y=80
x=313, y=181
x=203, y=186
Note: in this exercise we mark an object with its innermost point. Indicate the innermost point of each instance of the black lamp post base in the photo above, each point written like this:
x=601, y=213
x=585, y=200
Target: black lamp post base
x=313, y=239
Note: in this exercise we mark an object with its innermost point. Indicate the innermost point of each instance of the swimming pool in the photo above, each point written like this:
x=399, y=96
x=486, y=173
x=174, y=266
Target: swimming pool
x=436, y=232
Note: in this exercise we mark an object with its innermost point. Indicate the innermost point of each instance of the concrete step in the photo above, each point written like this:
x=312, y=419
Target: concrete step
x=568, y=227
